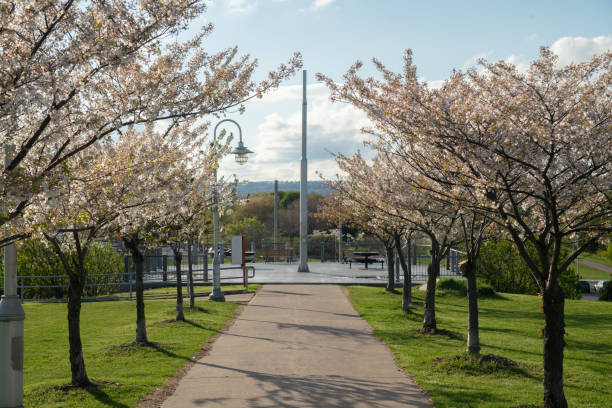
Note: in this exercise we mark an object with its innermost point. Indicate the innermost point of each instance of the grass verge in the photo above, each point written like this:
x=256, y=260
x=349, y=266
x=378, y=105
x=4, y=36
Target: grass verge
x=509, y=333
x=123, y=373
x=201, y=290
x=590, y=273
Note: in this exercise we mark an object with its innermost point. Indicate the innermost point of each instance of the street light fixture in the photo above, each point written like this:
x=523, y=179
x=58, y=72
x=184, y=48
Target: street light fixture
x=241, y=153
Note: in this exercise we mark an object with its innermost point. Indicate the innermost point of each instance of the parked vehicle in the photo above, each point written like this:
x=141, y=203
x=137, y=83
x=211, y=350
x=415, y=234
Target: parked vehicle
x=584, y=286
x=599, y=285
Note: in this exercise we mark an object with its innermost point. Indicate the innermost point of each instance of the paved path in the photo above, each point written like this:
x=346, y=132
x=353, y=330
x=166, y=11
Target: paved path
x=297, y=346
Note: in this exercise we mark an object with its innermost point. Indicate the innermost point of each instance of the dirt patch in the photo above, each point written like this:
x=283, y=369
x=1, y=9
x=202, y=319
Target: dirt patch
x=162, y=393
x=135, y=344
x=441, y=332
x=95, y=384
x=479, y=365
x=164, y=322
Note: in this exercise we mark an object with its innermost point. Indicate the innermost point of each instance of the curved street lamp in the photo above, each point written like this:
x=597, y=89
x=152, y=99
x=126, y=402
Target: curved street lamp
x=241, y=154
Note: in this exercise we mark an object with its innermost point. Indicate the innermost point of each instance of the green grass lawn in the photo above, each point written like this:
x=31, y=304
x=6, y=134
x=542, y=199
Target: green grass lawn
x=587, y=272
x=126, y=373
x=200, y=289
x=509, y=327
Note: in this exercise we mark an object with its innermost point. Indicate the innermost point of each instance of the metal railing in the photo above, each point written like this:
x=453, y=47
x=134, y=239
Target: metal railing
x=122, y=286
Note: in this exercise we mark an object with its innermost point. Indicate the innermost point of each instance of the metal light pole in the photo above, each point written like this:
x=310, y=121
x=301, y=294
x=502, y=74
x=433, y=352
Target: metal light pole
x=303, y=267
x=12, y=318
x=240, y=153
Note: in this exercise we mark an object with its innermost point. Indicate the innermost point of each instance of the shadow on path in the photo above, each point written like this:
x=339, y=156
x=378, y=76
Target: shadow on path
x=322, y=391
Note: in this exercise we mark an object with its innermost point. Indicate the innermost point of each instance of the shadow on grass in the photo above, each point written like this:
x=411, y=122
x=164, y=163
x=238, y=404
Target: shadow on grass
x=97, y=392
x=511, y=314
x=583, y=320
x=160, y=349
x=453, y=335
x=465, y=396
x=134, y=347
x=95, y=389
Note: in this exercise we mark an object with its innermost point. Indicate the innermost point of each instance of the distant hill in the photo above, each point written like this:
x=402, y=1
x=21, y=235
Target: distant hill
x=255, y=187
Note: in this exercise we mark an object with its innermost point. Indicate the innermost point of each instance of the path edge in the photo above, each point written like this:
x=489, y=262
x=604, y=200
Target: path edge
x=345, y=292
x=163, y=392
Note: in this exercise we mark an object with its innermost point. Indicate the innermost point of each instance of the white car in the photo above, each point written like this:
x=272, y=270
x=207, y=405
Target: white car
x=599, y=285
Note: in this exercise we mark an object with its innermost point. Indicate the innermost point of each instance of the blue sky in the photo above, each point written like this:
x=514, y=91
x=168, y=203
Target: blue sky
x=333, y=34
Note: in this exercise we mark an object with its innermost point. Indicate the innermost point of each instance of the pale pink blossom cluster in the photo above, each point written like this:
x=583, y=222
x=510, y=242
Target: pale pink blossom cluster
x=76, y=76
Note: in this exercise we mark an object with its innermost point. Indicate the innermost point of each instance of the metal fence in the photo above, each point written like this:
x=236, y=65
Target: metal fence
x=159, y=271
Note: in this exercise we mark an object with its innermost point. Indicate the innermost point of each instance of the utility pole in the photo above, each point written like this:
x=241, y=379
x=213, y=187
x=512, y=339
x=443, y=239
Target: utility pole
x=303, y=267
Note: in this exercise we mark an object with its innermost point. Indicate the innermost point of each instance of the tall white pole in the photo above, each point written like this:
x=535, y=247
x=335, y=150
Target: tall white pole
x=12, y=318
x=303, y=267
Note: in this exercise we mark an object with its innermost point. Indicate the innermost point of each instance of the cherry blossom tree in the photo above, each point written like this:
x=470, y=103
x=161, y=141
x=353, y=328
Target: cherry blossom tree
x=75, y=72
x=179, y=188
x=530, y=149
x=403, y=203
x=98, y=192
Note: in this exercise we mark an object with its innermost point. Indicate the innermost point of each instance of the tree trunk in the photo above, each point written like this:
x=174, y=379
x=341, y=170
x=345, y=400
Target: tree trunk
x=468, y=270
x=138, y=258
x=190, y=276
x=554, y=331
x=390, y=268
x=433, y=270
x=180, y=316
x=77, y=362
x=407, y=270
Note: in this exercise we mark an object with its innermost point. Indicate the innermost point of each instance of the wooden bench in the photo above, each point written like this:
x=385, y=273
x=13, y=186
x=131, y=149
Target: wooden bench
x=348, y=255
x=274, y=254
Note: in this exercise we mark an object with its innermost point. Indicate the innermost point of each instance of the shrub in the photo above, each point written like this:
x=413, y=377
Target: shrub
x=501, y=266
x=607, y=253
x=452, y=285
x=606, y=293
x=459, y=287
x=34, y=258
x=103, y=259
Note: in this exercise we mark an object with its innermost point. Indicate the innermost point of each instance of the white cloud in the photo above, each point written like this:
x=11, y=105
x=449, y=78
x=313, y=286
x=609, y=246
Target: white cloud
x=578, y=49
x=322, y=3
x=435, y=84
x=240, y=6
x=332, y=128
x=519, y=62
x=316, y=91
x=471, y=62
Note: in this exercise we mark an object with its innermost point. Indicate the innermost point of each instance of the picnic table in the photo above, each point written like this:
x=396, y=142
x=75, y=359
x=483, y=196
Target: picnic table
x=366, y=257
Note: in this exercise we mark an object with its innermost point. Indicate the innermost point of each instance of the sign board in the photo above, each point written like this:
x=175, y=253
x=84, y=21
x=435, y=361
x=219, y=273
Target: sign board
x=236, y=249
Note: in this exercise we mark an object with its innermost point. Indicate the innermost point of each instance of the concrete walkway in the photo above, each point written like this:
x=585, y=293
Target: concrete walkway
x=297, y=346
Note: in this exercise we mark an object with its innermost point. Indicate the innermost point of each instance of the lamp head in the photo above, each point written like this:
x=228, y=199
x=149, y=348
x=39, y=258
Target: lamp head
x=241, y=153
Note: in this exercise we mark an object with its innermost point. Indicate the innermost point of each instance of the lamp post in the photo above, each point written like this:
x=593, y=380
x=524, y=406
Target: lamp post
x=241, y=153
